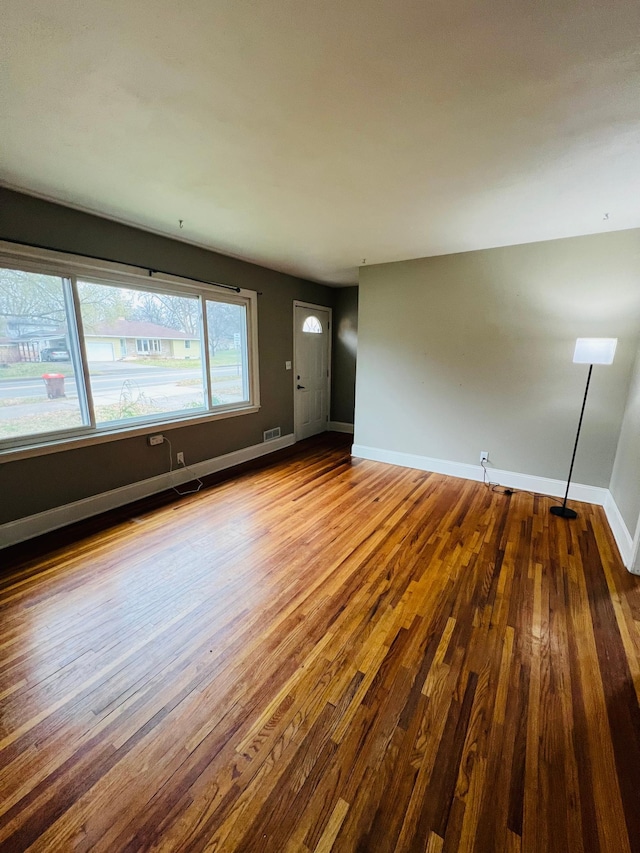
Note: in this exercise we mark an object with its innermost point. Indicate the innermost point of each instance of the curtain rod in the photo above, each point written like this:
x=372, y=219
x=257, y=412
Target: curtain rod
x=150, y=270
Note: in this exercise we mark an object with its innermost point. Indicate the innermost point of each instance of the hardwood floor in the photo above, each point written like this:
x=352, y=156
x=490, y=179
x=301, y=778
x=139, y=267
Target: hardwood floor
x=324, y=655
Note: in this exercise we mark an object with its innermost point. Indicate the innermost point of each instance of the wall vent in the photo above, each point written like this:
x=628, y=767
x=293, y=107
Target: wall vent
x=270, y=434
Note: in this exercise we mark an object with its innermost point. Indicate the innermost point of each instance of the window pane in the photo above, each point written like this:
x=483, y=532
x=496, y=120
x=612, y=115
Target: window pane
x=135, y=342
x=312, y=325
x=38, y=391
x=227, y=330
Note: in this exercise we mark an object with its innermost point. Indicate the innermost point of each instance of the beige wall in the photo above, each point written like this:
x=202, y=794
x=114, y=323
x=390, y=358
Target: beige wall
x=625, y=480
x=40, y=483
x=178, y=349
x=472, y=352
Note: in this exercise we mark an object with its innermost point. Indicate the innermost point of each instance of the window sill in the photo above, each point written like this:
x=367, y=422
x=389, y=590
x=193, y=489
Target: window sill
x=43, y=448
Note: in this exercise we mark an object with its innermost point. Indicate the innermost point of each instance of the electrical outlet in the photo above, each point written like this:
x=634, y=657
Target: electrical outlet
x=180, y=457
x=484, y=456
x=152, y=440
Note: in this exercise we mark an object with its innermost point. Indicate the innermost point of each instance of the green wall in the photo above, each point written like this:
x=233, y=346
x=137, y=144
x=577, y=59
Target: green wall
x=344, y=344
x=40, y=483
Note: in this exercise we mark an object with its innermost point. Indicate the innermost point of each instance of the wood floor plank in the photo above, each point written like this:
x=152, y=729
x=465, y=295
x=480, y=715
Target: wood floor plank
x=322, y=654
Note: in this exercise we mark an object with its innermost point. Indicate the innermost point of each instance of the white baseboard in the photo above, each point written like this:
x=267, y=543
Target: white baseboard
x=339, y=426
x=524, y=482
x=624, y=539
x=634, y=559
x=43, y=522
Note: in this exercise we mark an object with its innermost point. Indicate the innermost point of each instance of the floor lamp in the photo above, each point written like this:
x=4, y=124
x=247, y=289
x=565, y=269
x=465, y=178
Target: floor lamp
x=588, y=351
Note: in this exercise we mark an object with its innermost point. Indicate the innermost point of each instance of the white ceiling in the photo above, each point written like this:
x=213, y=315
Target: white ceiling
x=307, y=135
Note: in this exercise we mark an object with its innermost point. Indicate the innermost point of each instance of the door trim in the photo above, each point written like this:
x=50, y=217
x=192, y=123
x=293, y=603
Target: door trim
x=311, y=305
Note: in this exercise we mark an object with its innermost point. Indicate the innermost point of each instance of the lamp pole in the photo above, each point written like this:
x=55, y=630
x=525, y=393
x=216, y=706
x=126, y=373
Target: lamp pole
x=564, y=511
x=588, y=351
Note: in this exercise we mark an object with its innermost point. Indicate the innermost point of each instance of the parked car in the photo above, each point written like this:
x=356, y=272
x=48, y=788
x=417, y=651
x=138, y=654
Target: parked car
x=55, y=355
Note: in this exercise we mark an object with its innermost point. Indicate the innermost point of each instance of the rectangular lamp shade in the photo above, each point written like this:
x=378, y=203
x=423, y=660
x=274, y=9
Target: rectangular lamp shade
x=595, y=350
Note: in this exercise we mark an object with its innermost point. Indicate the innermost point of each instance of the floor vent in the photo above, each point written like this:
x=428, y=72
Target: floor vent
x=270, y=434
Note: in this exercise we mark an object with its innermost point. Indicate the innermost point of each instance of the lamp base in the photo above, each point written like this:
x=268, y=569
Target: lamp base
x=563, y=512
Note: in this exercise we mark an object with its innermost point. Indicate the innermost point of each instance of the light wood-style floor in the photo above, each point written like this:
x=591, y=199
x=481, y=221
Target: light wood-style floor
x=324, y=655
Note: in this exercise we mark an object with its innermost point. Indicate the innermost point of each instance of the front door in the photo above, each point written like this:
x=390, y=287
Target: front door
x=312, y=334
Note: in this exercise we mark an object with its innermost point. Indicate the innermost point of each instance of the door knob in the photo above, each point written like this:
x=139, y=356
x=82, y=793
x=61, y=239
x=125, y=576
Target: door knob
x=299, y=387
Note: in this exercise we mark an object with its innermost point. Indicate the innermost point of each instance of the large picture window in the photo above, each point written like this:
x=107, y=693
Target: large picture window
x=153, y=377
x=82, y=354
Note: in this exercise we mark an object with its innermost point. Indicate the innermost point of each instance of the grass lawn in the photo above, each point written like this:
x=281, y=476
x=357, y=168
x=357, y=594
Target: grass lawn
x=171, y=363
x=229, y=356
x=39, y=423
x=35, y=369
x=6, y=402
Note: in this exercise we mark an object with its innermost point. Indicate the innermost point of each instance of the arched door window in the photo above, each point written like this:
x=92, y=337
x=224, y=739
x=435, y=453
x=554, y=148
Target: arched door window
x=312, y=325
